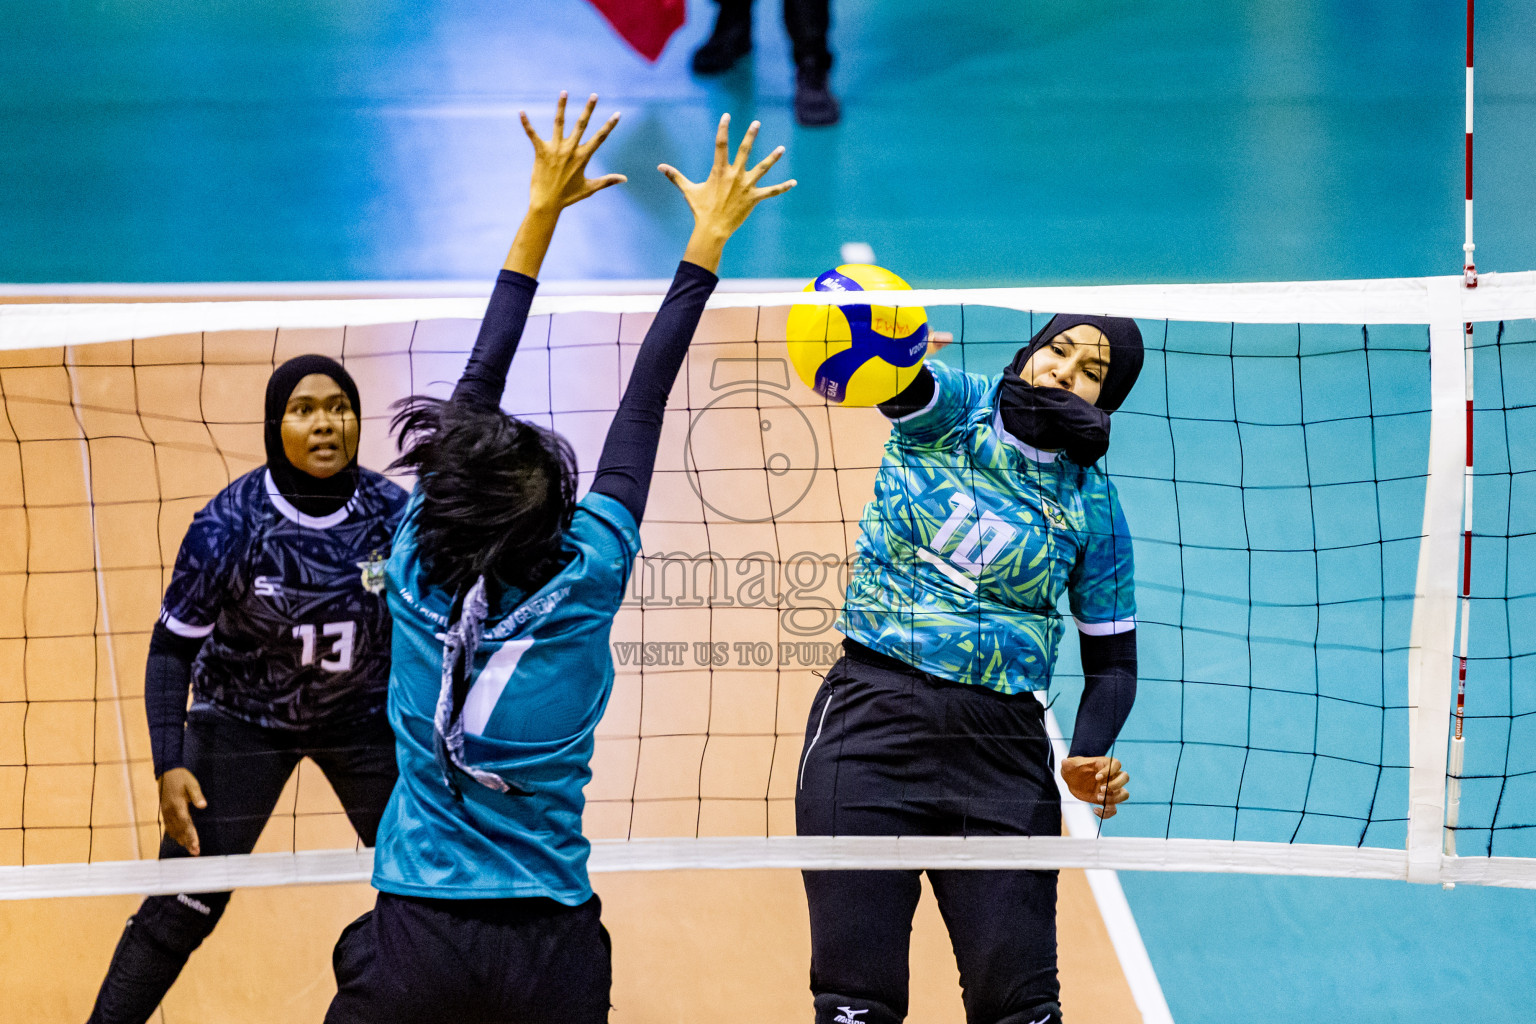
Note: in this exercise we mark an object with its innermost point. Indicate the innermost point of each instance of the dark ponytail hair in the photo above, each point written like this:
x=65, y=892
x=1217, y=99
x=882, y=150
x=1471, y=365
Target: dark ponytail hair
x=497, y=493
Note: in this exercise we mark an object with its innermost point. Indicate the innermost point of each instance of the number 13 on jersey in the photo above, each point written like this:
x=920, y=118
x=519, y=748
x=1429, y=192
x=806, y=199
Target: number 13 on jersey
x=340, y=657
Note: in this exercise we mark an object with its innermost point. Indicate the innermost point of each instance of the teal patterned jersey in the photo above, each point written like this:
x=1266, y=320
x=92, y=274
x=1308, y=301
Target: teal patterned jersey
x=971, y=540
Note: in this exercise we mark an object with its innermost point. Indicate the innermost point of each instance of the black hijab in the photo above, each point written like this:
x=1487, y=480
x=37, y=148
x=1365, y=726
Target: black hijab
x=309, y=494
x=1055, y=418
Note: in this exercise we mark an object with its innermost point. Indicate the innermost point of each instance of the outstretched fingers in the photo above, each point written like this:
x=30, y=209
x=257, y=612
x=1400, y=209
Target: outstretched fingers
x=602, y=134
x=607, y=180
x=744, y=150
x=763, y=166
x=559, y=119
x=533, y=136
x=723, y=141
x=675, y=176
x=758, y=195
x=581, y=122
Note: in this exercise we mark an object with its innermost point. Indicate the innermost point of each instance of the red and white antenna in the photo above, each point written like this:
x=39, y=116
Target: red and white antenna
x=1469, y=264
x=1469, y=279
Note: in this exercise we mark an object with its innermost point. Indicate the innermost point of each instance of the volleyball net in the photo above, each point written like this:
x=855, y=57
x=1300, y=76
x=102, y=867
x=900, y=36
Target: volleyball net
x=1291, y=463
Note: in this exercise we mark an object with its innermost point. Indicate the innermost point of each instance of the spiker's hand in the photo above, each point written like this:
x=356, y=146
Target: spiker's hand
x=1097, y=781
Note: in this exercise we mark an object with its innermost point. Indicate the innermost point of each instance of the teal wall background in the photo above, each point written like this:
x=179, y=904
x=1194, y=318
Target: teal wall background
x=991, y=141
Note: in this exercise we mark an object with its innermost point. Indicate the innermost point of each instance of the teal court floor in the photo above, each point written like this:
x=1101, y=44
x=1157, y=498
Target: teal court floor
x=983, y=143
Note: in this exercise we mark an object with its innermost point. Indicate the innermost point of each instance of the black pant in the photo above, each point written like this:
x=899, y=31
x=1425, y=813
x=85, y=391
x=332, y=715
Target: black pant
x=893, y=751
x=518, y=961
x=242, y=769
x=807, y=22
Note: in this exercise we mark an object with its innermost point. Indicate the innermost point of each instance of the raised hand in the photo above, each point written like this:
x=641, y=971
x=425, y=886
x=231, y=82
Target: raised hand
x=559, y=179
x=560, y=163
x=722, y=201
x=1097, y=781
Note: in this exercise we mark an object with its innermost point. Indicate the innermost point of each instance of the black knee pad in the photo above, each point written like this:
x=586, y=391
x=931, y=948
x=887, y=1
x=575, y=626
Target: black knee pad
x=1045, y=1013
x=180, y=923
x=832, y=1008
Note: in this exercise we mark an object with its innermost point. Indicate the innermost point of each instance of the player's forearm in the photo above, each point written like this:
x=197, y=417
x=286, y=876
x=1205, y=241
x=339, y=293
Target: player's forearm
x=167, y=681
x=913, y=398
x=1109, y=691
x=706, y=245
x=485, y=375
x=531, y=242
x=629, y=452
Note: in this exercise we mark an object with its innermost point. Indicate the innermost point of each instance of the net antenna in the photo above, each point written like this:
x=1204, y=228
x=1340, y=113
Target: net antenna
x=1469, y=280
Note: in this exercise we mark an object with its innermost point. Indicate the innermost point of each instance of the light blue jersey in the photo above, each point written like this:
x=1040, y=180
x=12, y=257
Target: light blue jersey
x=542, y=676
x=971, y=539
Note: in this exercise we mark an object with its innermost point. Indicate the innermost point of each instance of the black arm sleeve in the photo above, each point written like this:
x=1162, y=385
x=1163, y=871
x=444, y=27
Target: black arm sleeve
x=629, y=453
x=167, y=679
x=1109, y=690
x=485, y=376
x=913, y=397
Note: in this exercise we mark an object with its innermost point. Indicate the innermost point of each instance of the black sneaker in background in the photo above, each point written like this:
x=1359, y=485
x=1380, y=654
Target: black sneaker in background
x=815, y=106
x=728, y=43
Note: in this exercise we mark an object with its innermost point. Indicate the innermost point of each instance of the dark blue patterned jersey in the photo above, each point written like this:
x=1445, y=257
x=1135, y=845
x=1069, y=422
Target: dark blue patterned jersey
x=292, y=605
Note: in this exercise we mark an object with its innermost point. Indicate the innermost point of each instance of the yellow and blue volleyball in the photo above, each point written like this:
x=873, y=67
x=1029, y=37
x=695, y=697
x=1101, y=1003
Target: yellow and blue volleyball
x=857, y=354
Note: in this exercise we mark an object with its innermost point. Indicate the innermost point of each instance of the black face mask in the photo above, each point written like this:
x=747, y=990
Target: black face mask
x=1056, y=419
x=309, y=494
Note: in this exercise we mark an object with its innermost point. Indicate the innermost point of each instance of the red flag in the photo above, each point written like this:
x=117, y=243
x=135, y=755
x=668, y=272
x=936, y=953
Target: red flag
x=645, y=24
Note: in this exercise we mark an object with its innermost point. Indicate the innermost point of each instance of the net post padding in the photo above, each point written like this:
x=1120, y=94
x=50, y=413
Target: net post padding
x=1432, y=645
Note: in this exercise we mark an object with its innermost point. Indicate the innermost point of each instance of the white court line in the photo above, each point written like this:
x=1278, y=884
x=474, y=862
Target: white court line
x=1124, y=935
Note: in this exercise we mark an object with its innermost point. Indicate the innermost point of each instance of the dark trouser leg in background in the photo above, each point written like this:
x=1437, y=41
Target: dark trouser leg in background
x=730, y=41
x=359, y=763
x=241, y=775
x=807, y=22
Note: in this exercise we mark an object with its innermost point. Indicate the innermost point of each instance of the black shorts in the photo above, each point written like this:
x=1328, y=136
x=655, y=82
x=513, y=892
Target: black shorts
x=513, y=961
x=892, y=751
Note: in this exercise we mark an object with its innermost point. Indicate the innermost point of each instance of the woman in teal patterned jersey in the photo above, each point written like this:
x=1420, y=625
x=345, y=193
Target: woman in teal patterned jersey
x=989, y=505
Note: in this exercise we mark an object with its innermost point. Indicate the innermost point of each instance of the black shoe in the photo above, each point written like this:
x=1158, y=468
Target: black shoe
x=814, y=103
x=728, y=43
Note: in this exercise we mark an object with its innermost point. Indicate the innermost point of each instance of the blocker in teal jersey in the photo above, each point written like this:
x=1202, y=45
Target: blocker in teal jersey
x=542, y=676
x=971, y=539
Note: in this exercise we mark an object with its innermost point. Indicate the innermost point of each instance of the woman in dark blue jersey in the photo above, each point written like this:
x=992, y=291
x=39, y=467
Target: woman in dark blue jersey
x=503, y=589
x=276, y=622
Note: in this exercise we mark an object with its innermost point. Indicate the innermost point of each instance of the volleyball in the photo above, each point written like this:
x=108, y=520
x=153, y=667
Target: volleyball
x=857, y=355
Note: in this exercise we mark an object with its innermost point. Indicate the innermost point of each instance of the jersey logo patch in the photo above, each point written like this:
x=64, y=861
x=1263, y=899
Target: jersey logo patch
x=267, y=586
x=373, y=573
